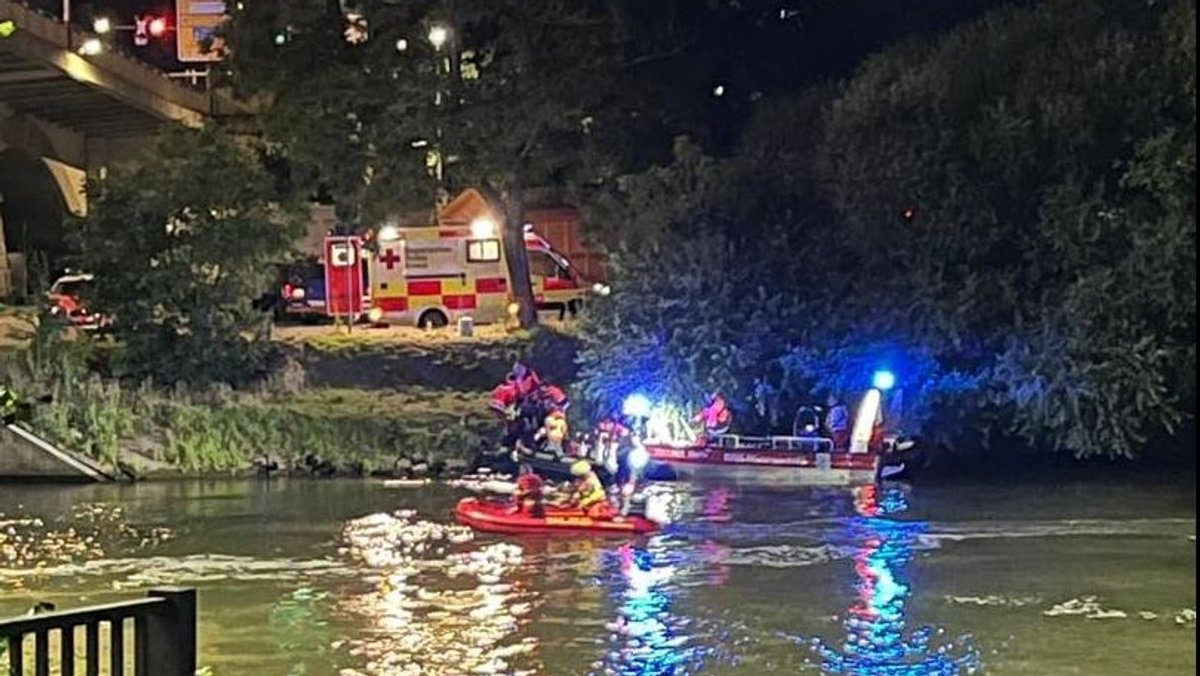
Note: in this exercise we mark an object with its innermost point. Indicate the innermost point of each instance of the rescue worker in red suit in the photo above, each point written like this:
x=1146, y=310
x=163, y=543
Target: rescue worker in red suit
x=505, y=402
x=525, y=378
x=715, y=416
x=837, y=423
x=530, y=494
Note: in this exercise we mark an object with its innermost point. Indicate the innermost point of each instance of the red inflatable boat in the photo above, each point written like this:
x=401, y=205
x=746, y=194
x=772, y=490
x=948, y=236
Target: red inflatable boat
x=494, y=517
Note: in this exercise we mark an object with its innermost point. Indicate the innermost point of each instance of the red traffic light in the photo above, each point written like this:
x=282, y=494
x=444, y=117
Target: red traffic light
x=157, y=26
x=148, y=26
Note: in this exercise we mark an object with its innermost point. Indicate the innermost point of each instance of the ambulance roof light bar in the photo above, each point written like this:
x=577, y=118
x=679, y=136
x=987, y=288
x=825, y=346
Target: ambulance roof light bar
x=483, y=228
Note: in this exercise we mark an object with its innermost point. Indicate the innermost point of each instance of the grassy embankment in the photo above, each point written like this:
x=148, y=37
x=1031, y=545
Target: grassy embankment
x=359, y=401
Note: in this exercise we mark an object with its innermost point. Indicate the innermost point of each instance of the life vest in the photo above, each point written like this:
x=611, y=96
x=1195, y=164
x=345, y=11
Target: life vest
x=589, y=491
x=556, y=427
x=553, y=396
x=504, y=397
x=716, y=416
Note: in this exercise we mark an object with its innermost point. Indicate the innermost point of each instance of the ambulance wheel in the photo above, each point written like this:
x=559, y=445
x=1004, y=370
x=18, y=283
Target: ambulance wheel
x=573, y=308
x=432, y=319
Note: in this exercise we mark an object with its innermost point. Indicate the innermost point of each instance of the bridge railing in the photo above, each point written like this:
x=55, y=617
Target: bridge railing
x=85, y=640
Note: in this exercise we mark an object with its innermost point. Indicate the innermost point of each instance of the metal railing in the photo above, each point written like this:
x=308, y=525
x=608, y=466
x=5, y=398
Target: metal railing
x=163, y=635
x=813, y=444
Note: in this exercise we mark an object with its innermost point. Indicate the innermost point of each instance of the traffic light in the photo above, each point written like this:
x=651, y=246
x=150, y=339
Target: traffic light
x=148, y=26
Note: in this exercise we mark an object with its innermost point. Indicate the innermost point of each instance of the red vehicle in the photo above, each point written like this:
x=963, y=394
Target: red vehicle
x=66, y=301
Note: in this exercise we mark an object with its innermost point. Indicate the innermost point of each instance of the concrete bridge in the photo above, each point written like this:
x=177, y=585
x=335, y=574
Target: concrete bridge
x=64, y=116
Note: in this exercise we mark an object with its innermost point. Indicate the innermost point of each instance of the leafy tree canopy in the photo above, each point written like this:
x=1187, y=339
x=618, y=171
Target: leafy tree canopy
x=179, y=240
x=1005, y=214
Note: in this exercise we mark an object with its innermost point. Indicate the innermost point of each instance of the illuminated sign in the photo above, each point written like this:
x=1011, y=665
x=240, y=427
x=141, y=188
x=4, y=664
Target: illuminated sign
x=196, y=23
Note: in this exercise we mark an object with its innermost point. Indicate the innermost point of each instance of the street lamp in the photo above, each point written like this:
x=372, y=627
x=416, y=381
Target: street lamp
x=102, y=25
x=438, y=35
x=91, y=47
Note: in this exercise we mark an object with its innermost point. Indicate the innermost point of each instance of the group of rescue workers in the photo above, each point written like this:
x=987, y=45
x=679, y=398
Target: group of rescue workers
x=534, y=417
x=534, y=413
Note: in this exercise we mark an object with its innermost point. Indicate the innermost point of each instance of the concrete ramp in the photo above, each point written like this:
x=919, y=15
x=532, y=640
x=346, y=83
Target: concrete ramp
x=28, y=457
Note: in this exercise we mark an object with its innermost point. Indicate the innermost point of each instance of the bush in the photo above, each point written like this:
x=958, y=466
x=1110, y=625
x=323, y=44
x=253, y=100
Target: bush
x=180, y=241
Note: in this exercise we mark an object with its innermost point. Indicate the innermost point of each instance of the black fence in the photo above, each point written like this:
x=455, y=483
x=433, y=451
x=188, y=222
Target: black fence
x=159, y=630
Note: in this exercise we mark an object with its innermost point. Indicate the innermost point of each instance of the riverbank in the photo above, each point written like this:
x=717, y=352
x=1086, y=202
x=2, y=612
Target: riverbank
x=396, y=402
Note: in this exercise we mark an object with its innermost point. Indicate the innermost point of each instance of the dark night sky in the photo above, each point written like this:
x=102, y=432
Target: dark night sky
x=752, y=48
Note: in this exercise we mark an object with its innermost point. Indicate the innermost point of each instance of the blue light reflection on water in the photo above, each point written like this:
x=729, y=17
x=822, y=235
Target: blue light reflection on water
x=648, y=637
x=876, y=642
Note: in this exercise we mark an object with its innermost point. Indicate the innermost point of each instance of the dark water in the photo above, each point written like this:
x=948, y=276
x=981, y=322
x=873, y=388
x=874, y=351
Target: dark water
x=322, y=578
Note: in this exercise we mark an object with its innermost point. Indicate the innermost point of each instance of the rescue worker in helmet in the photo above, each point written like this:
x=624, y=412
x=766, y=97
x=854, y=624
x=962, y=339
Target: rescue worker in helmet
x=715, y=416
x=525, y=379
x=588, y=493
x=530, y=493
x=554, y=431
x=837, y=423
x=505, y=402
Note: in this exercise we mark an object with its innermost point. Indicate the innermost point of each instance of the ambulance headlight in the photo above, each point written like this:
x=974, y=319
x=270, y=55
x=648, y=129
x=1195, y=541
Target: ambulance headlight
x=601, y=289
x=375, y=315
x=483, y=228
x=389, y=233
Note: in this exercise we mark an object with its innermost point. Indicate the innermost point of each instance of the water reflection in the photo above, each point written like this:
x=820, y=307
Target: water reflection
x=643, y=635
x=876, y=643
x=437, y=603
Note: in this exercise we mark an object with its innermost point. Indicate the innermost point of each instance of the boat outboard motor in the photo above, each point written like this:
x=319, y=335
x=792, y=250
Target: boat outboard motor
x=807, y=422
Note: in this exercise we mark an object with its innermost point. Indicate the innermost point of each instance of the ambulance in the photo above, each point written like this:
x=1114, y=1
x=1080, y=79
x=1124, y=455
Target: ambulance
x=431, y=276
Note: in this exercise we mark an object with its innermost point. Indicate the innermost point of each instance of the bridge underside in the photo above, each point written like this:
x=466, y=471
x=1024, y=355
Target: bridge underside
x=45, y=93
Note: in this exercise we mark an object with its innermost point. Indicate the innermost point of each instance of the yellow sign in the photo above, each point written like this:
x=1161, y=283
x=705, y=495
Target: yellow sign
x=196, y=23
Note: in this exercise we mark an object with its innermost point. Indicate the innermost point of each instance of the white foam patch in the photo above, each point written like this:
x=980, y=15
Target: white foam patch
x=196, y=569
x=995, y=601
x=1063, y=528
x=1087, y=607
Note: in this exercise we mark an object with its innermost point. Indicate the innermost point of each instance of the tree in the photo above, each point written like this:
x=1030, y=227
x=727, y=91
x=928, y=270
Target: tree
x=503, y=95
x=1018, y=241
x=1039, y=235
x=180, y=240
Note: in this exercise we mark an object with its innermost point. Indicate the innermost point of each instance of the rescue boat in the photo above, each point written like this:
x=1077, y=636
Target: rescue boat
x=808, y=458
x=784, y=459
x=494, y=517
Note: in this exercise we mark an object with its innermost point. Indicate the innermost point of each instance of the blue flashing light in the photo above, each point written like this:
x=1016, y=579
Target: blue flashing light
x=636, y=406
x=638, y=458
x=883, y=380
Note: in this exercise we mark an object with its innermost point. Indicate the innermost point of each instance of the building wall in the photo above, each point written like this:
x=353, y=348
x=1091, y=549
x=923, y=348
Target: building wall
x=564, y=228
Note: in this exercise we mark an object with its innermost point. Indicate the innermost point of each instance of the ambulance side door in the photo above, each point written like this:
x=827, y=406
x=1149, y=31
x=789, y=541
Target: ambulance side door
x=489, y=276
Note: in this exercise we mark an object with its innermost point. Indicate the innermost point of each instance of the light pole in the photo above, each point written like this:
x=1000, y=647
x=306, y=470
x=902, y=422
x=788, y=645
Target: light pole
x=438, y=36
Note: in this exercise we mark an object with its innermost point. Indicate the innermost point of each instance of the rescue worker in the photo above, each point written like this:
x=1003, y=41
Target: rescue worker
x=837, y=423
x=554, y=431
x=715, y=416
x=530, y=494
x=588, y=493
x=504, y=402
x=525, y=379
x=552, y=396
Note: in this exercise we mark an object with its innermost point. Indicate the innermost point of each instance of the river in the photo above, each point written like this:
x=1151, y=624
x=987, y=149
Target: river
x=344, y=578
